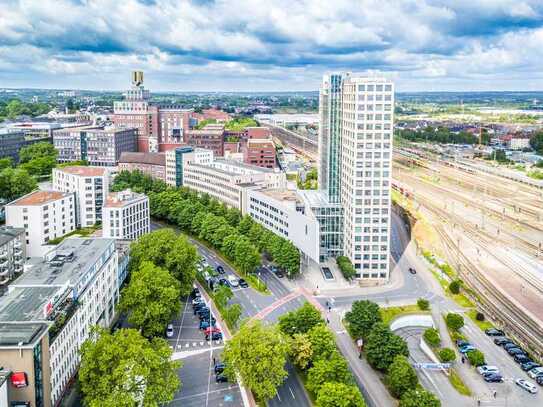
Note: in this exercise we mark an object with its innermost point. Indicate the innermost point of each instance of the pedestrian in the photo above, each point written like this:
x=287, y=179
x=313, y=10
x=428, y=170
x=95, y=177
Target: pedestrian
x=495, y=392
x=478, y=402
x=463, y=360
x=327, y=321
x=214, y=362
x=327, y=304
x=329, y=308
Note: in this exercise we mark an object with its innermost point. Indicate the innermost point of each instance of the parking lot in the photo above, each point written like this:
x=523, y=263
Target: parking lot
x=199, y=388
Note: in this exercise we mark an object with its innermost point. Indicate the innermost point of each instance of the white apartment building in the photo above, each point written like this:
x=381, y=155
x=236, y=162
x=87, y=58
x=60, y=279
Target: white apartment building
x=518, y=143
x=49, y=311
x=355, y=147
x=90, y=185
x=126, y=215
x=224, y=180
x=45, y=215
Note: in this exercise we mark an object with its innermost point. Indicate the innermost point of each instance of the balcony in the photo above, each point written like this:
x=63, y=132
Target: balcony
x=17, y=244
x=18, y=252
x=4, y=271
x=4, y=279
x=61, y=316
x=3, y=255
x=3, y=263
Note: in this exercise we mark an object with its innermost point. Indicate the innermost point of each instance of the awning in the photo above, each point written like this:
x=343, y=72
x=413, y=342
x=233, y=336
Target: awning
x=18, y=379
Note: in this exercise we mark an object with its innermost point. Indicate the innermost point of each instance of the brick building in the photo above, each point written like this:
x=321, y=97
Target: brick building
x=153, y=164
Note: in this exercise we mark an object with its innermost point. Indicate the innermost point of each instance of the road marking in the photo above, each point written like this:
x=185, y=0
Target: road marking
x=182, y=320
x=291, y=392
x=202, y=394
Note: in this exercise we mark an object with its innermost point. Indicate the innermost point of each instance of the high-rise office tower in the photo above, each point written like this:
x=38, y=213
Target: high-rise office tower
x=355, y=149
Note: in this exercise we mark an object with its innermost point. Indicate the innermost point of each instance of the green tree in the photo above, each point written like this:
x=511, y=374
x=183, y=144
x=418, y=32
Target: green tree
x=154, y=247
x=15, y=183
x=6, y=162
x=454, y=321
x=446, y=355
x=258, y=353
x=39, y=166
x=122, y=368
x=401, y=376
x=222, y=295
x=536, y=142
x=181, y=262
x=245, y=225
x=231, y=314
x=301, y=320
x=431, y=336
x=346, y=267
x=246, y=256
x=423, y=304
x=419, y=398
x=322, y=341
x=334, y=369
x=37, y=150
x=333, y=394
x=454, y=286
x=362, y=317
x=476, y=357
x=301, y=351
x=382, y=346
x=151, y=298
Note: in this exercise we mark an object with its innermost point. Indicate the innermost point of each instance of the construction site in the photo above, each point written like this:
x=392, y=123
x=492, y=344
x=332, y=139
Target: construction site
x=489, y=229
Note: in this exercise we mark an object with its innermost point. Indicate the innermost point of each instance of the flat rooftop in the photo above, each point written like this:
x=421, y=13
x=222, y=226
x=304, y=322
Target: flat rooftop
x=68, y=263
x=239, y=164
x=84, y=171
x=26, y=304
x=122, y=198
x=14, y=334
x=317, y=199
x=39, y=198
x=282, y=194
x=8, y=233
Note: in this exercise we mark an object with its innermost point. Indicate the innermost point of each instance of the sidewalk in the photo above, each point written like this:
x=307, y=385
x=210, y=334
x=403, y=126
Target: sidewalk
x=374, y=391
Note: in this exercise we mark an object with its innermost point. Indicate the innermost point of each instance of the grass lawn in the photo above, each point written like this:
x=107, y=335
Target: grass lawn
x=83, y=232
x=472, y=314
x=388, y=314
x=458, y=384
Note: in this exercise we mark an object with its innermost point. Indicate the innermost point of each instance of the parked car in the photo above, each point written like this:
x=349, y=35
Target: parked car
x=510, y=345
x=539, y=380
x=526, y=385
x=538, y=371
x=515, y=351
x=215, y=336
x=211, y=329
x=466, y=349
x=220, y=269
x=527, y=366
x=279, y=273
x=233, y=280
x=243, y=283
x=412, y=270
x=219, y=367
x=198, y=306
x=502, y=341
x=461, y=342
x=522, y=359
x=493, y=378
x=195, y=293
x=487, y=369
x=494, y=332
x=224, y=281
x=207, y=321
x=221, y=378
x=197, y=300
x=169, y=331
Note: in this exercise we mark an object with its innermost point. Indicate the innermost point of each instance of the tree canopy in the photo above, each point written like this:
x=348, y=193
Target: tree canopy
x=301, y=320
x=401, y=376
x=335, y=369
x=382, y=346
x=362, y=317
x=151, y=298
x=334, y=394
x=419, y=398
x=323, y=342
x=454, y=321
x=258, y=353
x=15, y=182
x=123, y=368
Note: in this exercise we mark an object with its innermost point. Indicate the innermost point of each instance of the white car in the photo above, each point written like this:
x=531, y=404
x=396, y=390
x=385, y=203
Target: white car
x=526, y=385
x=535, y=372
x=169, y=331
x=233, y=281
x=487, y=369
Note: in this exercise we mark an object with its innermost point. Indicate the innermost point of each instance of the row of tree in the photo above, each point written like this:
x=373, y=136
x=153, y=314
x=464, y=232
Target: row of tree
x=240, y=239
x=388, y=353
x=440, y=135
x=312, y=348
x=133, y=367
x=15, y=107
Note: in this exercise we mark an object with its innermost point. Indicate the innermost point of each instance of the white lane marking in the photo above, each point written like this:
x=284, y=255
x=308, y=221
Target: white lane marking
x=291, y=392
x=182, y=320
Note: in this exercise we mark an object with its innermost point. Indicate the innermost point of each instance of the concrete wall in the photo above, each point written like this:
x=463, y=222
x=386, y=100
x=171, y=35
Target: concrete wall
x=424, y=320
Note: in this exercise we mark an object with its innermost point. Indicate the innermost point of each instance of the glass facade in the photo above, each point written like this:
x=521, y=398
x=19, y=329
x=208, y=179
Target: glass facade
x=38, y=375
x=179, y=164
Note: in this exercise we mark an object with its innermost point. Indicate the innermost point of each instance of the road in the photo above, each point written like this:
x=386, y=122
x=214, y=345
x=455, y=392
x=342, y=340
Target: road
x=291, y=393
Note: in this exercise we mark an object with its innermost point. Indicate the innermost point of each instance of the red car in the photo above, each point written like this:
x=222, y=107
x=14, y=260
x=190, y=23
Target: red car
x=211, y=329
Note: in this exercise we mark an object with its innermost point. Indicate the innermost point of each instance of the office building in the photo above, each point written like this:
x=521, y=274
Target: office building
x=99, y=146
x=10, y=144
x=355, y=149
x=259, y=152
x=90, y=185
x=48, y=314
x=126, y=215
x=12, y=252
x=152, y=164
x=222, y=179
x=45, y=215
x=160, y=128
x=210, y=137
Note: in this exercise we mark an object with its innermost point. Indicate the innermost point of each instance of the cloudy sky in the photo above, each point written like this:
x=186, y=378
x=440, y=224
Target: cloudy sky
x=271, y=44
